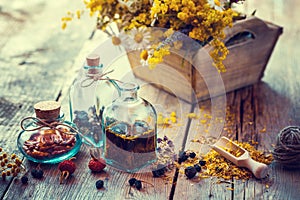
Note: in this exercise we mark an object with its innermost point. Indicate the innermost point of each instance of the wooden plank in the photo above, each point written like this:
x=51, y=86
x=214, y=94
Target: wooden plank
x=40, y=59
x=9, y=120
x=264, y=130
x=210, y=118
x=246, y=133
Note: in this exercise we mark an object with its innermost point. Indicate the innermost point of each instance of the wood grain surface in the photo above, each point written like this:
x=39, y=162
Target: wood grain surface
x=39, y=61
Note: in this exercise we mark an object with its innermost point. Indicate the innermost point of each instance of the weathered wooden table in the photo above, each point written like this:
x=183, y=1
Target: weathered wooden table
x=38, y=61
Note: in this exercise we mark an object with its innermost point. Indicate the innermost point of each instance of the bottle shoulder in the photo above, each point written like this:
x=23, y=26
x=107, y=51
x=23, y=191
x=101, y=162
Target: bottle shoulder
x=140, y=107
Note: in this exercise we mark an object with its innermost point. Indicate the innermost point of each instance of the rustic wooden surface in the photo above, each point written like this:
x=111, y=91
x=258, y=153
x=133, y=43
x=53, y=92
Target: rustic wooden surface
x=38, y=61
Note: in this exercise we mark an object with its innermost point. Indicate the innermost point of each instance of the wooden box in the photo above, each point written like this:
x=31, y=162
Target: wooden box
x=250, y=42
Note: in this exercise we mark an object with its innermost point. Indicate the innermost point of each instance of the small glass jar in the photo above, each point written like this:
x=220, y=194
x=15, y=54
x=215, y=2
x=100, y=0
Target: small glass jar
x=46, y=137
x=89, y=95
x=130, y=131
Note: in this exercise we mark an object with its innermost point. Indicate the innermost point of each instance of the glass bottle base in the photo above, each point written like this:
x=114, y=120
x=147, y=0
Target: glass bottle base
x=90, y=142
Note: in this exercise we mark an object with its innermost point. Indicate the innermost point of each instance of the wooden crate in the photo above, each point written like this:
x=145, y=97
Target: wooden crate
x=245, y=63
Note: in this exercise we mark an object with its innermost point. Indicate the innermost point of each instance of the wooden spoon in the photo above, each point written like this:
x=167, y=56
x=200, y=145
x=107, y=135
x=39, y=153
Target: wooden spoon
x=240, y=157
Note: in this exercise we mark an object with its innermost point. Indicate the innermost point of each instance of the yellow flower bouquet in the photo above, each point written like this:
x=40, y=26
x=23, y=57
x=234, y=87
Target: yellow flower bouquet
x=202, y=20
x=183, y=39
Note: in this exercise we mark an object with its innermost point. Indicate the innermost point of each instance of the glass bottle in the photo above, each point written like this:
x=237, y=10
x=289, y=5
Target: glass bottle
x=130, y=131
x=89, y=94
x=47, y=137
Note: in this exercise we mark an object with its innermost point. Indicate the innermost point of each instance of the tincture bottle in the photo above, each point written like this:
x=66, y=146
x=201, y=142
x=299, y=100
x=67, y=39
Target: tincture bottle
x=89, y=95
x=130, y=131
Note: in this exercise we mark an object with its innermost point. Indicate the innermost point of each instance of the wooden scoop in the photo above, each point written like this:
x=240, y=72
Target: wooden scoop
x=240, y=157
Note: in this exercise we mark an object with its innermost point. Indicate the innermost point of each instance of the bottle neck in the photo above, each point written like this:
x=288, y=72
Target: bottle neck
x=58, y=119
x=128, y=92
x=93, y=70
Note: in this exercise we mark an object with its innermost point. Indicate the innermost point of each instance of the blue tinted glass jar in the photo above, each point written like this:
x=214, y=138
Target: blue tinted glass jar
x=47, y=137
x=130, y=131
x=89, y=95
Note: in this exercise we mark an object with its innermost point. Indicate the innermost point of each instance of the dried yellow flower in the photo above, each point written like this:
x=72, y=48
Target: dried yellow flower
x=217, y=165
x=202, y=21
x=192, y=115
x=144, y=55
x=9, y=165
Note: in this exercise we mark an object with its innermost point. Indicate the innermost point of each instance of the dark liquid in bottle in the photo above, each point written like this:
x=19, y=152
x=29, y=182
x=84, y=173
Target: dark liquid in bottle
x=129, y=148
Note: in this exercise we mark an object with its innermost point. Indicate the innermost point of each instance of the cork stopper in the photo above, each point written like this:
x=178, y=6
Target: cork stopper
x=47, y=110
x=93, y=60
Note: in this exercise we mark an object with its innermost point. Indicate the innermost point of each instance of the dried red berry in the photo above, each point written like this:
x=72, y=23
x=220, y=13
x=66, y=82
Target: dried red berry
x=96, y=165
x=67, y=168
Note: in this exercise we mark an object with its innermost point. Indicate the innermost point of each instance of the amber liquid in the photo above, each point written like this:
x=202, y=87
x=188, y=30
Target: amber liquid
x=130, y=148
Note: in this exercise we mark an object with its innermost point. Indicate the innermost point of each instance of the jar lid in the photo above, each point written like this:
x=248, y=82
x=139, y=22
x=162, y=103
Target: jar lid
x=47, y=110
x=93, y=60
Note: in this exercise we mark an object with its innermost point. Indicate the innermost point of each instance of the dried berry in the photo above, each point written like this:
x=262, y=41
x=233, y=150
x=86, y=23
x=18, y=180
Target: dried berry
x=99, y=184
x=67, y=168
x=138, y=184
x=182, y=157
x=132, y=181
x=190, y=172
x=159, y=171
x=192, y=155
x=67, y=165
x=96, y=165
x=202, y=162
x=24, y=179
x=197, y=167
x=37, y=173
